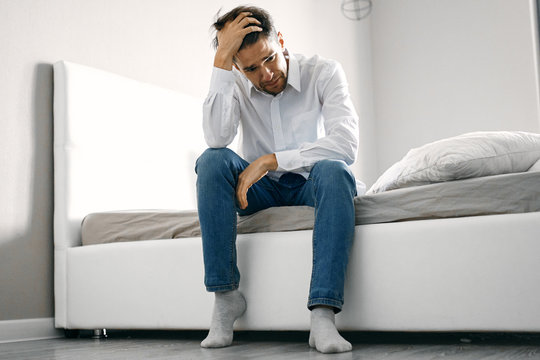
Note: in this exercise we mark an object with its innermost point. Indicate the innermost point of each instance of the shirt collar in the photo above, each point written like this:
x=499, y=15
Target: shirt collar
x=293, y=76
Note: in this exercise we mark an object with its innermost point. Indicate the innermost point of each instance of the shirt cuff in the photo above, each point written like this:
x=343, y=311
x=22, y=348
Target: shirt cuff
x=289, y=160
x=221, y=80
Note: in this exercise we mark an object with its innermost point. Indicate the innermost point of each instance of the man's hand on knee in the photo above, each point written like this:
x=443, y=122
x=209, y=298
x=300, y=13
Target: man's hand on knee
x=253, y=173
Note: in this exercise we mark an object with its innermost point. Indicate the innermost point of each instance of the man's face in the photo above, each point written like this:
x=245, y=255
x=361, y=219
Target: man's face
x=264, y=64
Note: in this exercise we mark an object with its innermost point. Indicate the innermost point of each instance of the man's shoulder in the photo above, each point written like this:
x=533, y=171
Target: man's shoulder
x=316, y=64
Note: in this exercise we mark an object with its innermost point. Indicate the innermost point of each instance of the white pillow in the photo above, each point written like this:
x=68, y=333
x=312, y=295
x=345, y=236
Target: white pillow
x=469, y=155
x=535, y=167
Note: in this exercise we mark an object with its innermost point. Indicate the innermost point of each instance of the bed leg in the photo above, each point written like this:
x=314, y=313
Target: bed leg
x=72, y=333
x=100, y=334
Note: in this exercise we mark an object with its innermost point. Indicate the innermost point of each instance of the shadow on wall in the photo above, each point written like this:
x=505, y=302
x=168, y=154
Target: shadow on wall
x=43, y=185
x=42, y=211
x=27, y=259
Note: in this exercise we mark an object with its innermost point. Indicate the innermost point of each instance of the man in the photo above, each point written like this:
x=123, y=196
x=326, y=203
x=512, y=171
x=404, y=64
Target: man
x=299, y=133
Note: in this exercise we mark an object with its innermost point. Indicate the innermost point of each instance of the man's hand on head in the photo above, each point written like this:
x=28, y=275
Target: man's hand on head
x=230, y=39
x=253, y=173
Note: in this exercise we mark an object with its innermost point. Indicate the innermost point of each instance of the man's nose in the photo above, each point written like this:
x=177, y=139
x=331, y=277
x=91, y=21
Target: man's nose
x=266, y=74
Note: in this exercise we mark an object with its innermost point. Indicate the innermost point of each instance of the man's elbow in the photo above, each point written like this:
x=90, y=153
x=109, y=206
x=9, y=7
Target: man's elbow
x=217, y=142
x=350, y=150
x=350, y=157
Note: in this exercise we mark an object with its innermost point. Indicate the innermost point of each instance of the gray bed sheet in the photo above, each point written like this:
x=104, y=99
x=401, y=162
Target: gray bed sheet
x=499, y=194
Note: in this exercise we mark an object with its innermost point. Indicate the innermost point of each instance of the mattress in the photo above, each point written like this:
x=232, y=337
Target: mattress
x=499, y=194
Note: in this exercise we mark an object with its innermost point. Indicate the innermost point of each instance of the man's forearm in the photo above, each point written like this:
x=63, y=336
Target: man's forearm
x=253, y=173
x=223, y=61
x=270, y=161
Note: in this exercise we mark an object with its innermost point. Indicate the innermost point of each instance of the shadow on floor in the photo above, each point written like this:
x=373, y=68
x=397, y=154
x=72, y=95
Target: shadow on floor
x=355, y=337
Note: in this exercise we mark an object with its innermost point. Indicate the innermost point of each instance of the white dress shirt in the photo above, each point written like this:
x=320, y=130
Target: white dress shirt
x=312, y=119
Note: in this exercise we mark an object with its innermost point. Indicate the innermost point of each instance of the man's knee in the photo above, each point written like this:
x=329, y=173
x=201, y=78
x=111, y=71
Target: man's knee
x=214, y=159
x=336, y=168
x=334, y=173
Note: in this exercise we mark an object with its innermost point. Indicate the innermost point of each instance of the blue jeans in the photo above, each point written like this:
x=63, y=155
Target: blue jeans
x=330, y=189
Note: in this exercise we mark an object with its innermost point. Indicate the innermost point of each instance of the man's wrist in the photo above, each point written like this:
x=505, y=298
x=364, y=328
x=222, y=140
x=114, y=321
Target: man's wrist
x=223, y=61
x=272, y=163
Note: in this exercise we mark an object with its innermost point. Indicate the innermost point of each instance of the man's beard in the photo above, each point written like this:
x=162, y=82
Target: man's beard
x=264, y=87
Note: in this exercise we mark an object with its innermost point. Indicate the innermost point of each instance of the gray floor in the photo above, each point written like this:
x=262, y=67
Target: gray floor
x=281, y=345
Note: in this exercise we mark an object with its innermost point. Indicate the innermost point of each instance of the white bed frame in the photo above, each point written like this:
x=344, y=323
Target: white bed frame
x=122, y=144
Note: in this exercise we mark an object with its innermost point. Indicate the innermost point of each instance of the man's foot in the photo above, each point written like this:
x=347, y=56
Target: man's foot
x=324, y=335
x=228, y=307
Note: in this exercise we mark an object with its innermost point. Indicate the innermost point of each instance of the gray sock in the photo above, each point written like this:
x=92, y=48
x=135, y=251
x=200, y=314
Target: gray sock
x=228, y=307
x=324, y=335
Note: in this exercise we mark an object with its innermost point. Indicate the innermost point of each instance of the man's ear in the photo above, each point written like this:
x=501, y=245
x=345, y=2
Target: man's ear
x=281, y=41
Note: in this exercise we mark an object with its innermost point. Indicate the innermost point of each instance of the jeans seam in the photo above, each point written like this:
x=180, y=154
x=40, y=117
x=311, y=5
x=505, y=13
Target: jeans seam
x=325, y=301
x=231, y=257
x=230, y=286
x=324, y=298
x=314, y=239
x=232, y=245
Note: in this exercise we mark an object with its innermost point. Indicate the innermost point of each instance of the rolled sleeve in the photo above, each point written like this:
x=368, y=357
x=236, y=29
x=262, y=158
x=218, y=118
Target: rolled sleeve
x=289, y=160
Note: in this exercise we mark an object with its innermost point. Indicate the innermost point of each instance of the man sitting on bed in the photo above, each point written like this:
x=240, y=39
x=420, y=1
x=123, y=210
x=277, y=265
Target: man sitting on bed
x=299, y=133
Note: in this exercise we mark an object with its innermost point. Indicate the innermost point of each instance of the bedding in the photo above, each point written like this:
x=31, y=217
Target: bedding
x=469, y=155
x=499, y=194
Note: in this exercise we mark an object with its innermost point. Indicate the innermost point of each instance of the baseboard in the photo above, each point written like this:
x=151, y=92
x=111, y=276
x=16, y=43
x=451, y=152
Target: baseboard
x=28, y=329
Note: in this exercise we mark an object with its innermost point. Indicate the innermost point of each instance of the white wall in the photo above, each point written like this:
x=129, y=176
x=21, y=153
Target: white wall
x=164, y=42
x=446, y=67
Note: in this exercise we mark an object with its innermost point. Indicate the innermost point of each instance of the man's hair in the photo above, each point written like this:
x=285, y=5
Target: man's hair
x=266, y=23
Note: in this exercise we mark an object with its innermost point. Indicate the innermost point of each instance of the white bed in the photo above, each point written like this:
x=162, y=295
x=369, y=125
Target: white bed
x=121, y=144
